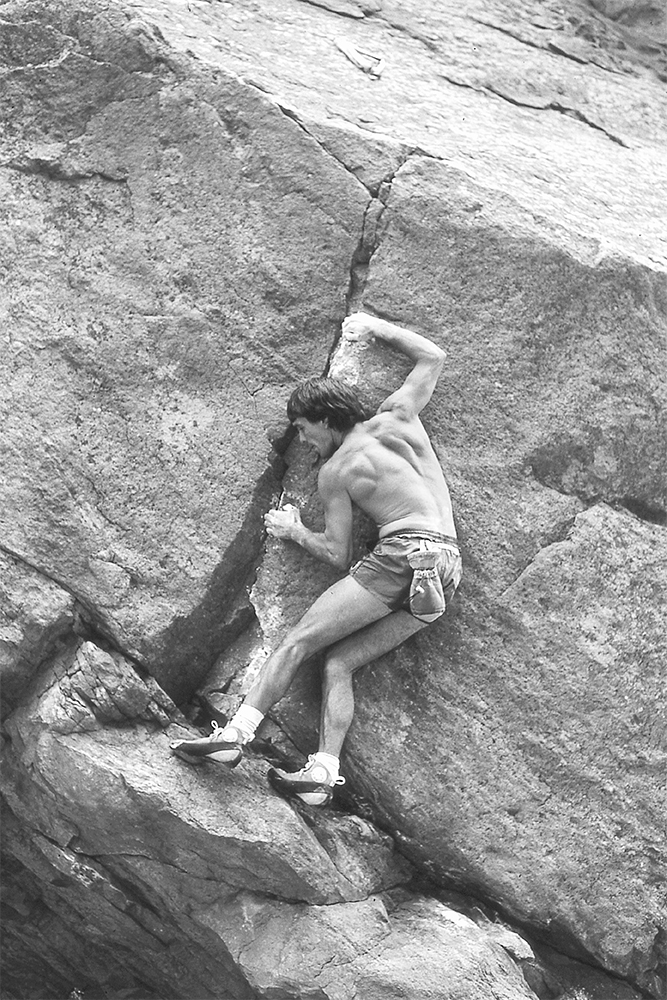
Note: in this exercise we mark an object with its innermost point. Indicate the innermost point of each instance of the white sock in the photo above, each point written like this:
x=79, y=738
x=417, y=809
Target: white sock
x=245, y=723
x=328, y=760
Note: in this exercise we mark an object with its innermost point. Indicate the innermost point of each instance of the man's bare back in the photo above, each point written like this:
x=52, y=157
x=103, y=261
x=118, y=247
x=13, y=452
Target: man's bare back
x=390, y=471
x=386, y=465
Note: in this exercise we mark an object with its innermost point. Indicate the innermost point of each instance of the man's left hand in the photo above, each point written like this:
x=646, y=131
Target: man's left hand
x=281, y=523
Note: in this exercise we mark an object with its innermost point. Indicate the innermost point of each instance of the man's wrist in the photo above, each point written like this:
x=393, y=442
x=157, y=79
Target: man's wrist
x=298, y=533
x=381, y=328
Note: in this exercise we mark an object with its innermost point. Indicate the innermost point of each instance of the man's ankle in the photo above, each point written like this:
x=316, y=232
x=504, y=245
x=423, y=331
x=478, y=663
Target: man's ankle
x=244, y=724
x=329, y=761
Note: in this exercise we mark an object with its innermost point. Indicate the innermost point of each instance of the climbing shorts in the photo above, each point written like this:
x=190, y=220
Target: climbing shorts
x=417, y=571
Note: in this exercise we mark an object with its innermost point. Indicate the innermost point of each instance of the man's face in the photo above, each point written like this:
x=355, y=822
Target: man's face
x=317, y=435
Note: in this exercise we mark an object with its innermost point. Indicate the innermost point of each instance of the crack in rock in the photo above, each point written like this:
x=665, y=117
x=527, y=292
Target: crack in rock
x=551, y=46
x=38, y=569
x=370, y=239
x=410, y=32
x=511, y=34
x=84, y=618
x=294, y=116
x=563, y=110
x=56, y=171
x=341, y=7
x=361, y=258
x=49, y=64
x=573, y=113
x=652, y=513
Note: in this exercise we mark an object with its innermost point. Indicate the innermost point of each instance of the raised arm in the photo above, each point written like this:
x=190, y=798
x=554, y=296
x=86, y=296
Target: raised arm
x=334, y=544
x=428, y=360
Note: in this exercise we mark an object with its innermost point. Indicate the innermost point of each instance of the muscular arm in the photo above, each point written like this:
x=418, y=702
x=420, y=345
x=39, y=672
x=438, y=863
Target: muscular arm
x=428, y=360
x=334, y=544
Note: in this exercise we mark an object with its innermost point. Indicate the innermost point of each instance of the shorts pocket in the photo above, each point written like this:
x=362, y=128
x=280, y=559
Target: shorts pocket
x=427, y=598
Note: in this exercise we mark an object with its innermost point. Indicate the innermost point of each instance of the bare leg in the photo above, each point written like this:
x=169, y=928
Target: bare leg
x=341, y=610
x=343, y=660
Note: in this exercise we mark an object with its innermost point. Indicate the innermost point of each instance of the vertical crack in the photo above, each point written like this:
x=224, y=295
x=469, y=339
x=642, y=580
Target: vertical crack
x=363, y=254
x=372, y=230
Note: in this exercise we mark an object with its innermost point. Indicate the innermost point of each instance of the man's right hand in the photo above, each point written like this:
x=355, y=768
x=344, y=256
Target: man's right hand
x=360, y=326
x=427, y=357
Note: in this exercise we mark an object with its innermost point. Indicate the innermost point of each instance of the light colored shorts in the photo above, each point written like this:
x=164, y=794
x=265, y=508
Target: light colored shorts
x=417, y=571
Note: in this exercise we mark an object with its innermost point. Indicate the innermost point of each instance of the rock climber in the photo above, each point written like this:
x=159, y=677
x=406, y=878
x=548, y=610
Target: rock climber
x=386, y=466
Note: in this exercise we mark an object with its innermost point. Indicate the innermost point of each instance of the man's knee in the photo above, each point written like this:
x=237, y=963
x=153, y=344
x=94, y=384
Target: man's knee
x=300, y=643
x=336, y=667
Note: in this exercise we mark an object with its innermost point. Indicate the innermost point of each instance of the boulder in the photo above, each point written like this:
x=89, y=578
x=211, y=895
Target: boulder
x=194, y=196
x=199, y=882
x=420, y=948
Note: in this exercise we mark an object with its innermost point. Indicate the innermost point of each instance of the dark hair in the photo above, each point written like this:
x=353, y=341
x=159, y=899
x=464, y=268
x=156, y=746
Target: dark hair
x=327, y=399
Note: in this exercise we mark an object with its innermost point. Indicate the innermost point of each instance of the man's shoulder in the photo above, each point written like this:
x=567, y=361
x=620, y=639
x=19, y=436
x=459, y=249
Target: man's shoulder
x=392, y=422
x=346, y=459
x=329, y=474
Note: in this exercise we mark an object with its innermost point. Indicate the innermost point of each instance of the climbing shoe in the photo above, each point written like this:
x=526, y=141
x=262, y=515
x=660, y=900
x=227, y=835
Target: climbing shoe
x=312, y=784
x=217, y=747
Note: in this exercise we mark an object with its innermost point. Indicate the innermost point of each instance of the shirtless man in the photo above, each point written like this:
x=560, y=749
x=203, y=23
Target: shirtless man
x=386, y=466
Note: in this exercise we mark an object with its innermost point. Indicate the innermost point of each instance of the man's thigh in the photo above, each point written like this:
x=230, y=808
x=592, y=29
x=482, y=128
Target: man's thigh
x=341, y=610
x=374, y=640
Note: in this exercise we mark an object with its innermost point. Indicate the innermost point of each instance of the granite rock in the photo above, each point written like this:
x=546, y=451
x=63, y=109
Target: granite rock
x=194, y=195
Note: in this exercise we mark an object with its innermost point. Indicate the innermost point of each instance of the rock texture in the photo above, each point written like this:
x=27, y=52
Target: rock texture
x=194, y=194
x=142, y=376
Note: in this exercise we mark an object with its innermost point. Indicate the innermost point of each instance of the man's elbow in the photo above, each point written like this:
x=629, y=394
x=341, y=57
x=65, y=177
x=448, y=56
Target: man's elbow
x=433, y=359
x=340, y=558
x=432, y=364
x=438, y=357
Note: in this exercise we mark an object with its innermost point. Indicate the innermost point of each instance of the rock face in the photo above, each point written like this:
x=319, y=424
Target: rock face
x=194, y=194
x=141, y=379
